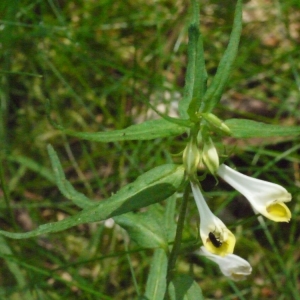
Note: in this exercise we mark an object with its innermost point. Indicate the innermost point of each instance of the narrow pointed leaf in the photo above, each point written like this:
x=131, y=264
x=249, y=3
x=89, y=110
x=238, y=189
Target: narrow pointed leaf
x=200, y=72
x=169, y=218
x=15, y=269
x=157, y=283
x=216, y=88
x=196, y=75
x=147, y=130
x=242, y=128
x=200, y=82
x=183, y=287
x=33, y=165
x=146, y=228
x=177, y=121
x=64, y=185
x=190, y=72
x=149, y=188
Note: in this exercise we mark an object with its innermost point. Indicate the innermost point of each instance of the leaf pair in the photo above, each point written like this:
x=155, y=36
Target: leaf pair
x=197, y=97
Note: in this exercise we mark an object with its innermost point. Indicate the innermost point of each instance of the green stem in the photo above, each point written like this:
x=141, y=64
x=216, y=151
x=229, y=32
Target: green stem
x=177, y=243
x=6, y=195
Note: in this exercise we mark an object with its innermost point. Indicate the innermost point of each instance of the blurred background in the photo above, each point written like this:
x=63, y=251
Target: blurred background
x=97, y=63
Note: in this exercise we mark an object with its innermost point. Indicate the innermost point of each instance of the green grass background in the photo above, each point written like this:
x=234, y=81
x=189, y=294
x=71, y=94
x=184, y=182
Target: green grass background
x=97, y=62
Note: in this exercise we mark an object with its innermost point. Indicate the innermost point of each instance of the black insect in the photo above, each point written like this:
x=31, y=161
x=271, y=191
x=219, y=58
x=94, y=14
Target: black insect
x=215, y=240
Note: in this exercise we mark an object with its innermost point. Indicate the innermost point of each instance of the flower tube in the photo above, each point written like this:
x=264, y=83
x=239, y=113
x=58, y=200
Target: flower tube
x=231, y=265
x=265, y=197
x=216, y=237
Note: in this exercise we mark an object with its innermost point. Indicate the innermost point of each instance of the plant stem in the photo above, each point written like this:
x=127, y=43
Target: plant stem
x=177, y=243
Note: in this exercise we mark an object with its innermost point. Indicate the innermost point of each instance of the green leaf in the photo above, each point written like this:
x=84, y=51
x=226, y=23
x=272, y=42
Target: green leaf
x=200, y=76
x=147, y=130
x=215, y=90
x=32, y=165
x=190, y=72
x=14, y=269
x=183, y=287
x=151, y=229
x=177, y=121
x=200, y=82
x=64, y=185
x=169, y=218
x=243, y=128
x=146, y=229
x=149, y=188
x=200, y=73
x=157, y=283
x=195, y=68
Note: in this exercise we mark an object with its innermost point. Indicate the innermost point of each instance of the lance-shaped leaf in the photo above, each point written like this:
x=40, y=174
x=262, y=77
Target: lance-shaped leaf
x=64, y=185
x=157, y=283
x=190, y=72
x=215, y=90
x=170, y=218
x=149, y=188
x=183, y=287
x=147, y=130
x=200, y=75
x=146, y=228
x=33, y=166
x=151, y=229
x=242, y=128
x=15, y=270
x=196, y=76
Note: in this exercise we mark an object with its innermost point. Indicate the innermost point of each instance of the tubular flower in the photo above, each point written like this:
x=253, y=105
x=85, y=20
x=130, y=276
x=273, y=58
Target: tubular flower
x=216, y=237
x=232, y=266
x=265, y=197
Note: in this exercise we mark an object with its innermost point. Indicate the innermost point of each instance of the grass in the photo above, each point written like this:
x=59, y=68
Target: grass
x=97, y=62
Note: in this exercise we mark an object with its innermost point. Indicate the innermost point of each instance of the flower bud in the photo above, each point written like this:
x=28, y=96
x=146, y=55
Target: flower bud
x=210, y=156
x=216, y=122
x=191, y=158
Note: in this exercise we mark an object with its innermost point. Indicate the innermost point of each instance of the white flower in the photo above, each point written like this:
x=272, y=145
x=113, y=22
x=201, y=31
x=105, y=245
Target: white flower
x=266, y=198
x=232, y=266
x=216, y=237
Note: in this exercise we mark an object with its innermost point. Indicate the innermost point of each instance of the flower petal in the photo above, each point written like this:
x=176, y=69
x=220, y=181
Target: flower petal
x=231, y=265
x=279, y=212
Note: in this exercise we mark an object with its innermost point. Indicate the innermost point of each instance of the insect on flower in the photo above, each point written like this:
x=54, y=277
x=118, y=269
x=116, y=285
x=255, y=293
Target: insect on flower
x=215, y=240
